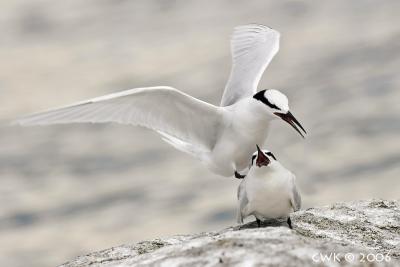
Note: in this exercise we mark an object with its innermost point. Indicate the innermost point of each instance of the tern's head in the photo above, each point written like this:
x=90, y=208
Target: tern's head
x=277, y=106
x=262, y=158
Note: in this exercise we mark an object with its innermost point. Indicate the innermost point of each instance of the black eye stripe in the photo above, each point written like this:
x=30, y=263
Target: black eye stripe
x=252, y=159
x=261, y=97
x=271, y=155
x=268, y=153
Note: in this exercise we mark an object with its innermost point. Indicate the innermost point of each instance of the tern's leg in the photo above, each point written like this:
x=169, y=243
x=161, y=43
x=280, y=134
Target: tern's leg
x=239, y=176
x=289, y=222
x=258, y=222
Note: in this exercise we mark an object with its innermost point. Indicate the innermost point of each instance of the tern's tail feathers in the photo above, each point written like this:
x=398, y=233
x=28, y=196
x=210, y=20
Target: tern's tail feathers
x=239, y=217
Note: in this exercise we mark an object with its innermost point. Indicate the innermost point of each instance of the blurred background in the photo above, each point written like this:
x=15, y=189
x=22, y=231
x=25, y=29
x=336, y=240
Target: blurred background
x=68, y=190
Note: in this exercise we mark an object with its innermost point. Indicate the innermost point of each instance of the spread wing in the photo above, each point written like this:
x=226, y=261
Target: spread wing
x=163, y=109
x=252, y=46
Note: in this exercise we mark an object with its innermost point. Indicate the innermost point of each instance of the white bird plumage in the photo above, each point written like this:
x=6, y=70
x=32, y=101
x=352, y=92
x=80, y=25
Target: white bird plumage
x=223, y=136
x=268, y=191
x=253, y=47
x=162, y=108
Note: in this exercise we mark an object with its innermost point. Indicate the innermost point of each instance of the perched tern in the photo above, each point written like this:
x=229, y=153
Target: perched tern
x=222, y=137
x=268, y=191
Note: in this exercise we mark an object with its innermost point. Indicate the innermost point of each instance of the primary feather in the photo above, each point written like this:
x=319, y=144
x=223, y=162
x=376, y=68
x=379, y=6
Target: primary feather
x=162, y=108
x=252, y=46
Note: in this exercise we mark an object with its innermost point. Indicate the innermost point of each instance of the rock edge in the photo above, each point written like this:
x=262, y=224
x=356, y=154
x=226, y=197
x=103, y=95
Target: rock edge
x=357, y=228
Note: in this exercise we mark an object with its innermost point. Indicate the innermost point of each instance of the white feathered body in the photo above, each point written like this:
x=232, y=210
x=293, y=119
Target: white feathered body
x=268, y=193
x=246, y=126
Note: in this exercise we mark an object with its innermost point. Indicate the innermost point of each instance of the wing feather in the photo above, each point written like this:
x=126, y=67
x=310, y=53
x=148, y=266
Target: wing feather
x=242, y=201
x=163, y=109
x=252, y=46
x=296, y=198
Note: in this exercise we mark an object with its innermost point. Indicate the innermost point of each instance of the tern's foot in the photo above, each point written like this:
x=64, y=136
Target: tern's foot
x=239, y=176
x=289, y=222
x=258, y=223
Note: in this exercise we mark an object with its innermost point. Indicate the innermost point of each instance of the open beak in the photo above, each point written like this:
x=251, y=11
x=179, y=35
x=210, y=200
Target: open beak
x=289, y=118
x=262, y=160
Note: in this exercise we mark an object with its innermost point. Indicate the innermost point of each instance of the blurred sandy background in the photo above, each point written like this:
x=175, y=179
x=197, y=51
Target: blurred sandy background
x=69, y=190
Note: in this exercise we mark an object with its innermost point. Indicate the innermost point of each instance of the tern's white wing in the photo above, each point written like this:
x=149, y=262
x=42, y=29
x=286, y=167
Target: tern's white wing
x=163, y=109
x=296, y=198
x=243, y=201
x=253, y=46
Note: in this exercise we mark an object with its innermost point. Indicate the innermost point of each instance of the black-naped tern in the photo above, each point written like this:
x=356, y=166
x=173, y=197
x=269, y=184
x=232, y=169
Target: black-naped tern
x=268, y=191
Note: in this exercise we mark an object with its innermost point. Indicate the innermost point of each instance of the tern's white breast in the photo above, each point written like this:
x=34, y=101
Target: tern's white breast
x=268, y=192
x=244, y=128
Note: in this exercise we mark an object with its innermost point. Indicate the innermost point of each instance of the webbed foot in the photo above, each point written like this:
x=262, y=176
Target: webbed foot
x=289, y=222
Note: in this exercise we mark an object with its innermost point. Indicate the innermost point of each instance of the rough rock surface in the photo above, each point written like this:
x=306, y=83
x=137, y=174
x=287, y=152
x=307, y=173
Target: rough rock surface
x=368, y=231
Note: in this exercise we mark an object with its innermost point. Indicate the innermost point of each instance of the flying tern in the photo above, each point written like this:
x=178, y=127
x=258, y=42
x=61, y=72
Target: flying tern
x=268, y=191
x=222, y=137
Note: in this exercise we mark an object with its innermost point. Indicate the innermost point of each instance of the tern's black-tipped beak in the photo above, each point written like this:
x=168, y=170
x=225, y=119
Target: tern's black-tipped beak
x=289, y=118
x=262, y=159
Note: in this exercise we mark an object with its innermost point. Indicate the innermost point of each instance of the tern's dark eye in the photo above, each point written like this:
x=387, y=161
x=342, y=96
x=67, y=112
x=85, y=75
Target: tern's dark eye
x=271, y=155
x=253, y=158
x=260, y=96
